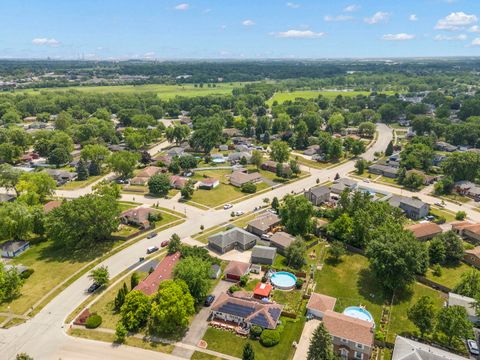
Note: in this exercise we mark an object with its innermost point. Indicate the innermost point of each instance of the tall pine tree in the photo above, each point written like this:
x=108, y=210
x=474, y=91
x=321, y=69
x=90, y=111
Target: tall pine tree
x=82, y=170
x=248, y=353
x=389, y=150
x=321, y=347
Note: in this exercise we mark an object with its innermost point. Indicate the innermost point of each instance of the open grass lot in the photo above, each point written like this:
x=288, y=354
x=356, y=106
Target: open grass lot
x=230, y=344
x=311, y=94
x=352, y=283
x=130, y=341
x=450, y=276
x=163, y=91
x=221, y=194
x=78, y=184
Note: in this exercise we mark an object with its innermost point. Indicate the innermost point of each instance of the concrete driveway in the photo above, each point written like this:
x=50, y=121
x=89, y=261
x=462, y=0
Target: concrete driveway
x=304, y=343
x=199, y=325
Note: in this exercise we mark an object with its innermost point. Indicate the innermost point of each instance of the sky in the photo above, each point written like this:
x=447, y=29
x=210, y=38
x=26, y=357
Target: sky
x=238, y=29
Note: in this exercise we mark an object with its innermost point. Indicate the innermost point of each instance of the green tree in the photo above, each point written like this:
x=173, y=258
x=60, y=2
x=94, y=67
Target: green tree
x=295, y=253
x=469, y=284
x=82, y=171
x=134, y=280
x=454, y=249
x=175, y=244
x=95, y=153
x=120, y=298
x=248, y=353
x=9, y=152
x=9, y=176
x=135, y=310
x=16, y=221
x=249, y=188
x=275, y=203
x=171, y=308
x=100, y=275
x=462, y=165
x=361, y=165
x=436, y=251
x=453, y=322
x=336, y=250
x=177, y=133
x=321, y=347
x=460, y=215
x=388, y=112
x=23, y=356
x=107, y=189
x=123, y=163
x=159, y=184
x=358, y=147
x=187, y=190
x=34, y=187
x=207, y=134
x=389, y=149
x=257, y=158
x=120, y=333
x=280, y=151
x=341, y=228
x=10, y=283
x=422, y=314
x=367, y=129
x=195, y=272
x=59, y=156
x=413, y=180
x=296, y=214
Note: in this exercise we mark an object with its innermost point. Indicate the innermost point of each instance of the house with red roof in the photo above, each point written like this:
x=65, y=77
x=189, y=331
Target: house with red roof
x=163, y=271
x=138, y=217
x=235, y=270
x=262, y=290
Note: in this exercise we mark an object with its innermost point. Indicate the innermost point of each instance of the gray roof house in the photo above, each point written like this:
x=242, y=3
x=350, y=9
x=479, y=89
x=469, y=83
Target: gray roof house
x=215, y=271
x=235, y=238
x=61, y=176
x=318, y=195
x=175, y=151
x=237, y=156
x=466, y=302
x=263, y=255
x=263, y=223
x=342, y=184
x=281, y=240
x=13, y=248
x=414, y=209
x=384, y=170
x=407, y=349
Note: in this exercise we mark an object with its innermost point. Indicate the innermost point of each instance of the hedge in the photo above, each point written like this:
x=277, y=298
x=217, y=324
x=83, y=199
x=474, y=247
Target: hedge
x=93, y=321
x=269, y=338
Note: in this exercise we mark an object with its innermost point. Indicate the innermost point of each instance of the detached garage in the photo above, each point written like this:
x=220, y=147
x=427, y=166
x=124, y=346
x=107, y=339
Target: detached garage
x=235, y=270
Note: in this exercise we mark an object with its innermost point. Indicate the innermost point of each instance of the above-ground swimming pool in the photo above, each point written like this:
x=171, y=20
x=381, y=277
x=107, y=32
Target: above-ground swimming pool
x=358, y=313
x=283, y=280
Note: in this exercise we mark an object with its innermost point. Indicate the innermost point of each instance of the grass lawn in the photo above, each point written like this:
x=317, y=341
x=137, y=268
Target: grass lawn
x=221, y=194
x=310, y=163
x=291, y=299
x=130, y=341
x=125, y=230
x=197, y=355
x=281, y=97
x=448, y=215
x=77, y=184
x=137, y=189
x=352, y=283
x=450, y=274
x=230, y=344
x=456, y=197
x=162, y=91
x=125, y=205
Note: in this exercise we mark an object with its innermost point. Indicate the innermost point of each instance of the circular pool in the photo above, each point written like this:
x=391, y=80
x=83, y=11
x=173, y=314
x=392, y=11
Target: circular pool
x=283, y=280
x=358, y=312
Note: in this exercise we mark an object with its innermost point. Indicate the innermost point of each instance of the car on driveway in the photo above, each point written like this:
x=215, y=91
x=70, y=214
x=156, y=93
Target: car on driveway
x=93, y=288
x=152, y=249
x=209, y=300
x=227, y=206
x=473, y=347
x=151, y=235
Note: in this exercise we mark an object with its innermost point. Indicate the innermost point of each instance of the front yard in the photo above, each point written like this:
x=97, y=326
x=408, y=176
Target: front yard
x=78, y=184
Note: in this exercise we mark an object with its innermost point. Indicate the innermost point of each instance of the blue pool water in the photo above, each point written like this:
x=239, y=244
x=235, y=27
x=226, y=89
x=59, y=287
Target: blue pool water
x=283, y=280
x=358, y=313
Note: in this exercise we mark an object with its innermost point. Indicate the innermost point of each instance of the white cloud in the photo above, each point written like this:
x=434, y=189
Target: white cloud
x=292, y=5
x=351, y=8
x=376, y=18
x=149, y=55
x=299, y=34
x=442, y=37
x=413, y=17
x=45, y=42
x=398, y=37
x=337, y=18
x=182, y=7
x=476, y=42
x=248, y=22
x=474, y=28
x=456, y=21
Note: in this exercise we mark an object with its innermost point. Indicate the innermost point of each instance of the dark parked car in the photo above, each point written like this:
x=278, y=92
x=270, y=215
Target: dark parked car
x=209, y=300
x=151, y=235
x=93, y=287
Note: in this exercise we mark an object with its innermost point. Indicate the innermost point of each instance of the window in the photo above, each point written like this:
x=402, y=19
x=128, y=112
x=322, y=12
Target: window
x=344, y=340
x=359, y=346
x=358, y=355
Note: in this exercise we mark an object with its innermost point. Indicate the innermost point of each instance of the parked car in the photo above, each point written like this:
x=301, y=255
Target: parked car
x=227, y=206
x=473, y=347
x=152, y=249
x=239, y=212
x=266, y=236
x=93, y=288
x=209, y=300
x=439, y=204
x=151, y=235
x=165, y=243
x=366, y=180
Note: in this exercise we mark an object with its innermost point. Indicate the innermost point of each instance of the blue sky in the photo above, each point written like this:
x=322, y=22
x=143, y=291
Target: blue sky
x=164, y=29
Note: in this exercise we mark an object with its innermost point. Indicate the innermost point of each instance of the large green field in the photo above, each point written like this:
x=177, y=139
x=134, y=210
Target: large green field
x=163, y=91
x=310, y=94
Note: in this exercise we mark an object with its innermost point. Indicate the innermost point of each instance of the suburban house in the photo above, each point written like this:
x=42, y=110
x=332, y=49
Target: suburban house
x=215, y=271
x=234, y=238
x=467, y=230
x=235, y=270
x=138, y=217
x=262, y=290
x=467, y=188
x=281, y=240
x=472, y=257
x=414, y=209
x=178, y=182
x=236, y=157
x=466, y=302
x=163, y=271
x=341, y=184
x=49, y=206
x=425, y=231
x=318, y=195
x=352, y=338
x=208, y=183
x=12, y=248
x=318, y=304
x=238, y=178
x=427, y=179
x=271, y=166
x=61, y=176
x=384, y=170
x=175, y=151
x=164, y=160
x=143, y=176
x=444, y=146
x=264, y=255
x=407, y=349
x=263, y=224
x=311, y=150
x=245, y=312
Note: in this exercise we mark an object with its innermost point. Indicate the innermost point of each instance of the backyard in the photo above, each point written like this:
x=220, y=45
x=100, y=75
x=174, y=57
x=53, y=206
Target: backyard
x=450, y=276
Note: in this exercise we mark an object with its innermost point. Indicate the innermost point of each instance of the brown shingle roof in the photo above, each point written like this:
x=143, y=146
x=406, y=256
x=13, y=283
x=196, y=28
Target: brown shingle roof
x=475, y=251
x=162, y=272
x=237, y=268
x=460, y=225
x=51, y=205
x=346, y=327
x=149, y=171
x=321, y=302
x=422, y=230
x=282, y=239
x=241, y=177
x=264, y=222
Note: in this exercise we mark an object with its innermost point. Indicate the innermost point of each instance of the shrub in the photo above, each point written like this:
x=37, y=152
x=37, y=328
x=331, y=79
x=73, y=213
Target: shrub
x=379, y=336
x=234, y=288
x=249, y=188
x=270, y=338
x=440, y=220
x=243, y=280
x=460, y=215
x=93, y=321
x=26, y=274
x=299, y=283
x=256, y=331
x=437, y=270
x=120, y=333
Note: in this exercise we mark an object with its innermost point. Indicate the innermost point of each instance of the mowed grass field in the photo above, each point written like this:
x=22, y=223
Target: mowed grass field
x=163, y=91
x=281, y=97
